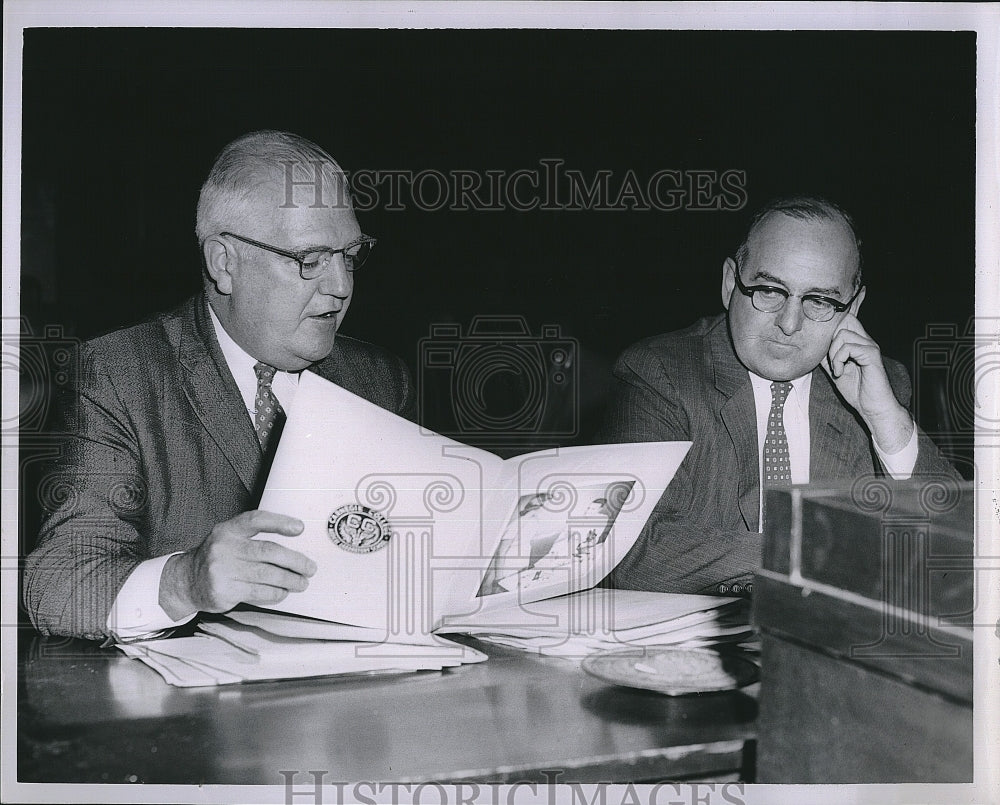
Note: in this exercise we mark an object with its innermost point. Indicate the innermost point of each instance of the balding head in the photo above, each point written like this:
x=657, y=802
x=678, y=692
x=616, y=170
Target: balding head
x=252, y=166
x=802, y=208
x=271, y=201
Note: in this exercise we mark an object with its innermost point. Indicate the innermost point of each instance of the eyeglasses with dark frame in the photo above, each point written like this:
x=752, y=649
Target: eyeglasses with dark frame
x=313, y=262
x=771, y=299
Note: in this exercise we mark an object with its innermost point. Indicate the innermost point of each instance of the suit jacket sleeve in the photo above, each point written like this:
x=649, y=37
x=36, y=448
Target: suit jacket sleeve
x=406, y=405
x=694, y=542
x=89, y=541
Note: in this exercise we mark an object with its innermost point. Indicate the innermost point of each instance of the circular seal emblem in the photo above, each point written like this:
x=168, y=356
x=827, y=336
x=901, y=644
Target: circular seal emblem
x=358, y=529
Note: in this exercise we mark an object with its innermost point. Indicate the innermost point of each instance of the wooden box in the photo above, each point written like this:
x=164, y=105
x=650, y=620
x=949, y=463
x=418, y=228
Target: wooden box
x=865, y=605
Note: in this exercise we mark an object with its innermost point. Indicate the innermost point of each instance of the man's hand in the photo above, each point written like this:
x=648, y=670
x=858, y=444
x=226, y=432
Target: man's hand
x=229, y=568
x=854, y=362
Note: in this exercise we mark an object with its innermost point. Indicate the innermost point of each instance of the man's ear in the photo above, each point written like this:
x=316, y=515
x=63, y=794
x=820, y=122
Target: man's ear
x=856, y=304
x=220, y=259
x=728, y=280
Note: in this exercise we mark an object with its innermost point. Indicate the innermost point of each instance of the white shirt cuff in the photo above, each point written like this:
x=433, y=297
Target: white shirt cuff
x=900, y=465
x=136, y=611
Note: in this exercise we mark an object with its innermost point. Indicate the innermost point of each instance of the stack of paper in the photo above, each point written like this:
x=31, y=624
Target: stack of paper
x=596, y=620
x=253, y=645
x=226, y=652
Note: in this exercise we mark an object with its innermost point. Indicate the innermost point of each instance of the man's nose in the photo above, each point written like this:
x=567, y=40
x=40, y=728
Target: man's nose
x=336, y=280
x=790, y=316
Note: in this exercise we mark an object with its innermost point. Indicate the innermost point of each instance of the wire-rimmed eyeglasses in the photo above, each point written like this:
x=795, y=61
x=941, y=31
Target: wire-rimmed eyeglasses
x=313, y=261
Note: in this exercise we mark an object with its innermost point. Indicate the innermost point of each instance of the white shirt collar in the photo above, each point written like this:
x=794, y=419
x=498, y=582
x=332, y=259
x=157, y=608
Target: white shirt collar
x=800, y=385
x=241, y=365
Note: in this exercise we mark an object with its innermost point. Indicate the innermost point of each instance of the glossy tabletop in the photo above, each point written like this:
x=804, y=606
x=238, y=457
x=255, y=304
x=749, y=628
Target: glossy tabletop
x=87, y=714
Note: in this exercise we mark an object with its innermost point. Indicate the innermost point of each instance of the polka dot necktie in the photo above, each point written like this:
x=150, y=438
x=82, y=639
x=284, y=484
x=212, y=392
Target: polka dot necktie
x=777, y=467
x=268, y=415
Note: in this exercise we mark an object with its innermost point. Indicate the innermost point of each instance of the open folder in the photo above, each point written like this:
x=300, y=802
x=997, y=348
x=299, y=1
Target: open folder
x=415, y=535
x=409, y=529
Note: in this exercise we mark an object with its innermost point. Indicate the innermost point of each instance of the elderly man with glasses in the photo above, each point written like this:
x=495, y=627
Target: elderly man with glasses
x=787, y=387
x=151, y=505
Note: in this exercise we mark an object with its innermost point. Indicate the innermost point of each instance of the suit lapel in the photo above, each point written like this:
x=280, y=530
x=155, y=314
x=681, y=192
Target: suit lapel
x=330, y=368
x=338, y=367
x=739, y=414
x=214, y=395
x=831, y=434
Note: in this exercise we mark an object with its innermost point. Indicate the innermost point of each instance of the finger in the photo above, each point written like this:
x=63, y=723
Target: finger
x=847, y=336
x=263, y=594
x=254, y=522
x=273, y=576
x=860, y=353
x=833, y=365
x=850, y=346
x=280, y=556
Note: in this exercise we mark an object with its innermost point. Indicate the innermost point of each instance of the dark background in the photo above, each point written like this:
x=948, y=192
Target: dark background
x=121, y=126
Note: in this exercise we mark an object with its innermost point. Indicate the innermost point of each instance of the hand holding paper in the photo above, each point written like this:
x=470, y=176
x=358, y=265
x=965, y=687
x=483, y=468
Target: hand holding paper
x=229, y=568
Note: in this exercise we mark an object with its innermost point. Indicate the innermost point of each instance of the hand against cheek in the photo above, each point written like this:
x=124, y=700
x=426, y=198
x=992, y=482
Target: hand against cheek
x=854, y=363
x=229, y=568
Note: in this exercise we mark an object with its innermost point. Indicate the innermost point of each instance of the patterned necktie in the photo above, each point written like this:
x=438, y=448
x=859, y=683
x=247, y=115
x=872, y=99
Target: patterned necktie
x=777, y=467
x=268, y=416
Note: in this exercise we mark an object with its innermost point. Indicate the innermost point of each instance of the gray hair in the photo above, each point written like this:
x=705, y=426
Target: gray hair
x=804, y=208
x=257, y=158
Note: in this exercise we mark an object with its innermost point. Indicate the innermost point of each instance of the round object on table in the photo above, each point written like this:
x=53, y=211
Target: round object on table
x=673, y=671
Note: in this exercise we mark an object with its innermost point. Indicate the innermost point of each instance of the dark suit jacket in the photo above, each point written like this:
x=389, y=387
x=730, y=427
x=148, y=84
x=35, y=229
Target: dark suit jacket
x=689, y=385
x=158, y=449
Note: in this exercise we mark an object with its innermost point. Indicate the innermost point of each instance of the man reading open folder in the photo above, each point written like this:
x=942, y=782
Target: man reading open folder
x=152, y=503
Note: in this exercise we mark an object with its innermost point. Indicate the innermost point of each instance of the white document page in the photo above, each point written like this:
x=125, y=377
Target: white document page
x=408, y=527
x=376, y=496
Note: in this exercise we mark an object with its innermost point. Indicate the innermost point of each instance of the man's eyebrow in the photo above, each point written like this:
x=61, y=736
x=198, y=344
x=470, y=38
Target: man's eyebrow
x=763, y=275
x=771, y=278
x=317, y=247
